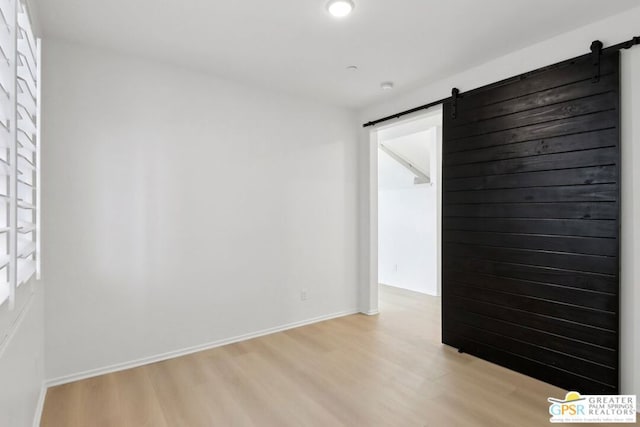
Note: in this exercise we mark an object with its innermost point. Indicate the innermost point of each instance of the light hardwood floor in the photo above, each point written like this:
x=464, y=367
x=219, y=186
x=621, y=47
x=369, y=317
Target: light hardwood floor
x=386, y=370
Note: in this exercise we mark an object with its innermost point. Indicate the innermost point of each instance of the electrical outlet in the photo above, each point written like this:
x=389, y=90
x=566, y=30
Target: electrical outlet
x=303, y=295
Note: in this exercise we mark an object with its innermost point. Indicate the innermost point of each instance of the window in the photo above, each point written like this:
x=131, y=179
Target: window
x=19, y=151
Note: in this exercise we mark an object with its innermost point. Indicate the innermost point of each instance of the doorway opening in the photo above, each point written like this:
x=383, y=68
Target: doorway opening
x=408, y=169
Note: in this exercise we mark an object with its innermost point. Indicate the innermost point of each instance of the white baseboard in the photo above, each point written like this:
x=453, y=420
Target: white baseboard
x=40, y=406
x=189, y=350
x=371, y=312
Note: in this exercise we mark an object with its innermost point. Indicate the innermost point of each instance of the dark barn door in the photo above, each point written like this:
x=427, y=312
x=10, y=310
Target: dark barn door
x=531, y=171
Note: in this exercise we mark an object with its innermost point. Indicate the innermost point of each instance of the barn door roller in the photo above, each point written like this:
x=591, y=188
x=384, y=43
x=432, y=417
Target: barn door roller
x=455, y=93
x=596, y=52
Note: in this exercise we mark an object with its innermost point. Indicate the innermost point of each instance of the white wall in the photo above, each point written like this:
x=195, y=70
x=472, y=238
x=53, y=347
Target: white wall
x=630, y=244
x=407, y=255
x=22, y=362
x=182, y=209
x=407, y=223
x=610, y=31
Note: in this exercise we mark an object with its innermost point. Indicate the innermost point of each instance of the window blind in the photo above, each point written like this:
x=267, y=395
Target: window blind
x=19, y=150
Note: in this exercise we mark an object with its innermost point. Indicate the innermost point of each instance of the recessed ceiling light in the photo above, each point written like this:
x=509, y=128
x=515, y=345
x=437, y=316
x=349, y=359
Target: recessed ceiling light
x=386, y=85
x=340, y=8
x=352, y=68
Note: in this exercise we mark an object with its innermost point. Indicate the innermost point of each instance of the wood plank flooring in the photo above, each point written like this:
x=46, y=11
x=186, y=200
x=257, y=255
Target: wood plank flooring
x=386, y=370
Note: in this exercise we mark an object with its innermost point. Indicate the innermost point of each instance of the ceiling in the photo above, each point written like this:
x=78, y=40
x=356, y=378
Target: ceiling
x=295, y=46
x=415, y=149
x=414, y=140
